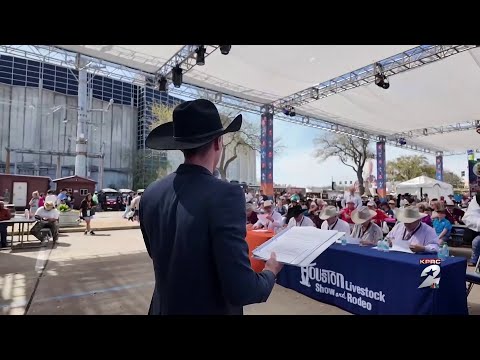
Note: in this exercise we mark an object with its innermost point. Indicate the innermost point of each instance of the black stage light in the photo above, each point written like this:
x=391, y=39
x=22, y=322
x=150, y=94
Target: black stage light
x=162, y=84
x=382, y=81
x=177, y=77
x=201, y=55
x=292, y=111
x=225, y=49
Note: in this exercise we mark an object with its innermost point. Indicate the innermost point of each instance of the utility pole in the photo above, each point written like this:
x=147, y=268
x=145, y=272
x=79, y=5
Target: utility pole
x=81, y=144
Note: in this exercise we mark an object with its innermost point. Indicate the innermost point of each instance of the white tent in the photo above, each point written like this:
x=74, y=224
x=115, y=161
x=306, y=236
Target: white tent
x=424, y=185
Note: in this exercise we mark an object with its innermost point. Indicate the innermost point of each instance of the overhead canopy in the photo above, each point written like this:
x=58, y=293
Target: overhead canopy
x=424, y=185
x=438, y=94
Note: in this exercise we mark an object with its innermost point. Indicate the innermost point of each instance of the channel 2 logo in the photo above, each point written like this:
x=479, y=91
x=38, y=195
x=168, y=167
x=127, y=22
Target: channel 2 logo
x=431, y=273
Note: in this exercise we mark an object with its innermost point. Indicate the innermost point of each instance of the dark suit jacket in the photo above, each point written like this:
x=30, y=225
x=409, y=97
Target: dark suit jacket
x=194, y=229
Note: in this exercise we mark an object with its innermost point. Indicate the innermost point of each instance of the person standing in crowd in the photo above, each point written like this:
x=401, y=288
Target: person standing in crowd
x=195, y=223
x=4, y=215
x=87, y=208
x=393, y=208
x=332, y=222
x=41, y=200
x=51, y=197
x=380, y=216
x=6, y=196
x=365, y=229
x=346, y=213
x=472, y=230
x=62, y=197
x=352, y=197
x=34, y=203
x=422, y=209
x=298, y=219
x=313, y=214
x=248, y=195
x=128, y=204
x=135, y=206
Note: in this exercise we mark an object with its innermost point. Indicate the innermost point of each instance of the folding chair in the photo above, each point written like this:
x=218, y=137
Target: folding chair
x=473, y=277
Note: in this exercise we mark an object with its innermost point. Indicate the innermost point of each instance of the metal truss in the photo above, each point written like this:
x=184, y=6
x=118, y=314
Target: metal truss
x=407, y=60
x=464, y=126
x=61, y=57
x=52, y=153
x=185, y=58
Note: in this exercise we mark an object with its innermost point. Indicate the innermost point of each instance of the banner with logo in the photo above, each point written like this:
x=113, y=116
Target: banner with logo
x=266, y=151
x=439, y=168
x=381, y=171
x=364, y=281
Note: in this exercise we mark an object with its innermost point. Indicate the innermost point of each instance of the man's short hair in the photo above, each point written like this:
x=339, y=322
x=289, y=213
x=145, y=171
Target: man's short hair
x=202, y=150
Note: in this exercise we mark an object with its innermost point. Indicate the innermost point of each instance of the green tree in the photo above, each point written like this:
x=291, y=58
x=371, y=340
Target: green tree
x=453, y=179
x=351, y=151
x=408, y=167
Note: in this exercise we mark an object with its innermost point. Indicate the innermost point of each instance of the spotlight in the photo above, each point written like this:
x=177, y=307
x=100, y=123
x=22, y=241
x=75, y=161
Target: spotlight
x=162, y=84
x=225, y=49
x=402, y=141
x=382, y=81
x=177, y=76
x=201, y=55
x=292, y=111
x=289, y=111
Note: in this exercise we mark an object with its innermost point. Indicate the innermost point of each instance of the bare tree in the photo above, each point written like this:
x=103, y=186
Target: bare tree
x=351, y=151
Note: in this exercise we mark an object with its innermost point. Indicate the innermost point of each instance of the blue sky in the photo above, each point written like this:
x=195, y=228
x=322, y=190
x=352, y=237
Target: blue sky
x=296, y=165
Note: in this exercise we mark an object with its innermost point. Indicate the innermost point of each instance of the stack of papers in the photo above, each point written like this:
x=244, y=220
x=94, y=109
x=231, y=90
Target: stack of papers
x=401, y=246
x=298, y=246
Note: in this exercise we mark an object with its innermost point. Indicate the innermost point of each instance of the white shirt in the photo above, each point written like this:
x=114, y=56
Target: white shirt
x=355, y=198
x=472, y=216
x=277, y=222
x=373, y=233
x=403, y=202
x=306, y=221
x=248, y=197
x=135, y=202
x=340, y=225
x=52, y=198
x=52, y=214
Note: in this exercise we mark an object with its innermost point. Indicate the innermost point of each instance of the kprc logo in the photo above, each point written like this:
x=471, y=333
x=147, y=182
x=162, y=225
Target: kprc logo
x=431, y=273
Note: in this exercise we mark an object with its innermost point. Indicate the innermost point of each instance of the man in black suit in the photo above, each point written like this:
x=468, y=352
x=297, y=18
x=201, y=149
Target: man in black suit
x=193, y=224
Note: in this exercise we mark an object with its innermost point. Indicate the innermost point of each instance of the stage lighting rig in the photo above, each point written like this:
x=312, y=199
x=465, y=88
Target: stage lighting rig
x=289, y=111
x=225, y=49
x=201, y=55
x=177, y=76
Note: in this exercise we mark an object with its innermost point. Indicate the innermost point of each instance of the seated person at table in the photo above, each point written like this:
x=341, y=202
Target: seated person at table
x=274, y=220
x=365, y=229
x=421, y=237
x=332, y=222
x=442, y=226
x=4, y=215
x=47, y=217
x=298, y=219
x=380, y=217
x=251, y=214
x=472, y=230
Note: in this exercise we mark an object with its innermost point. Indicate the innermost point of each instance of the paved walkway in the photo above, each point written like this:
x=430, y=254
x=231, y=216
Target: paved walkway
x=111, y=273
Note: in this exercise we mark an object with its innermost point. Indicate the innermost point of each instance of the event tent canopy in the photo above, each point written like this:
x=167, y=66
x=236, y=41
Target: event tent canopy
x=424, y=185
x=440, y=94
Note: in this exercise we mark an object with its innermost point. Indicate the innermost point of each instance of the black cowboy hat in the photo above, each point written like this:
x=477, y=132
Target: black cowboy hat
x=297, y=210
x=195, y=123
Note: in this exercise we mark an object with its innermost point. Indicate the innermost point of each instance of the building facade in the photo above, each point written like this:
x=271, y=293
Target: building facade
x=38, y=122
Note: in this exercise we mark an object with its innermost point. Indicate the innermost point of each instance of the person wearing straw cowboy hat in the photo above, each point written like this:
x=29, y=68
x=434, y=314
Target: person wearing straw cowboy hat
x=274, y=220
x=421, y=237
x=332, y=222
x=193, y=224
x=365, y=229
x=47, y=217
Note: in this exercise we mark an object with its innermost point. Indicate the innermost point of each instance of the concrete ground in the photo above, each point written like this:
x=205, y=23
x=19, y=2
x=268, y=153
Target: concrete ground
x=111, y=273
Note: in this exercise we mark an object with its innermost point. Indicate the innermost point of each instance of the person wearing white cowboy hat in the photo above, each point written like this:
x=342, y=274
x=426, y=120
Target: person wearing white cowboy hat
x=365, y=229
x=273, y=221
x=421, y=237
x=332, y=222
x=47, y=217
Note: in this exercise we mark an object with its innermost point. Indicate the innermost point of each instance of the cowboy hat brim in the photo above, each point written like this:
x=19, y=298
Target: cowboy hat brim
x=408, y=220
x=356, y=219
x=161, y=138
x=326, y=216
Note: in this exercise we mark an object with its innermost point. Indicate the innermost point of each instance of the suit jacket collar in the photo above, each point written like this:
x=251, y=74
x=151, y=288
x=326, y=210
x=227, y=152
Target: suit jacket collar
x=191, y=168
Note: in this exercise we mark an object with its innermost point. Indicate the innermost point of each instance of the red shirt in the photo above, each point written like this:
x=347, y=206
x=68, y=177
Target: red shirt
x=380, y=217
x=346, y=215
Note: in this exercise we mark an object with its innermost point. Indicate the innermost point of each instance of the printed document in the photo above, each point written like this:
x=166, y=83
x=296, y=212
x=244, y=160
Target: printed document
x=401, y=246
x=297, y=244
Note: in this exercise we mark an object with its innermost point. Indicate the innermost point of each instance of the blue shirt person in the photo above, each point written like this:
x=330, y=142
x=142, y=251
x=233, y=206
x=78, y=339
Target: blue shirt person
x=442, y=226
